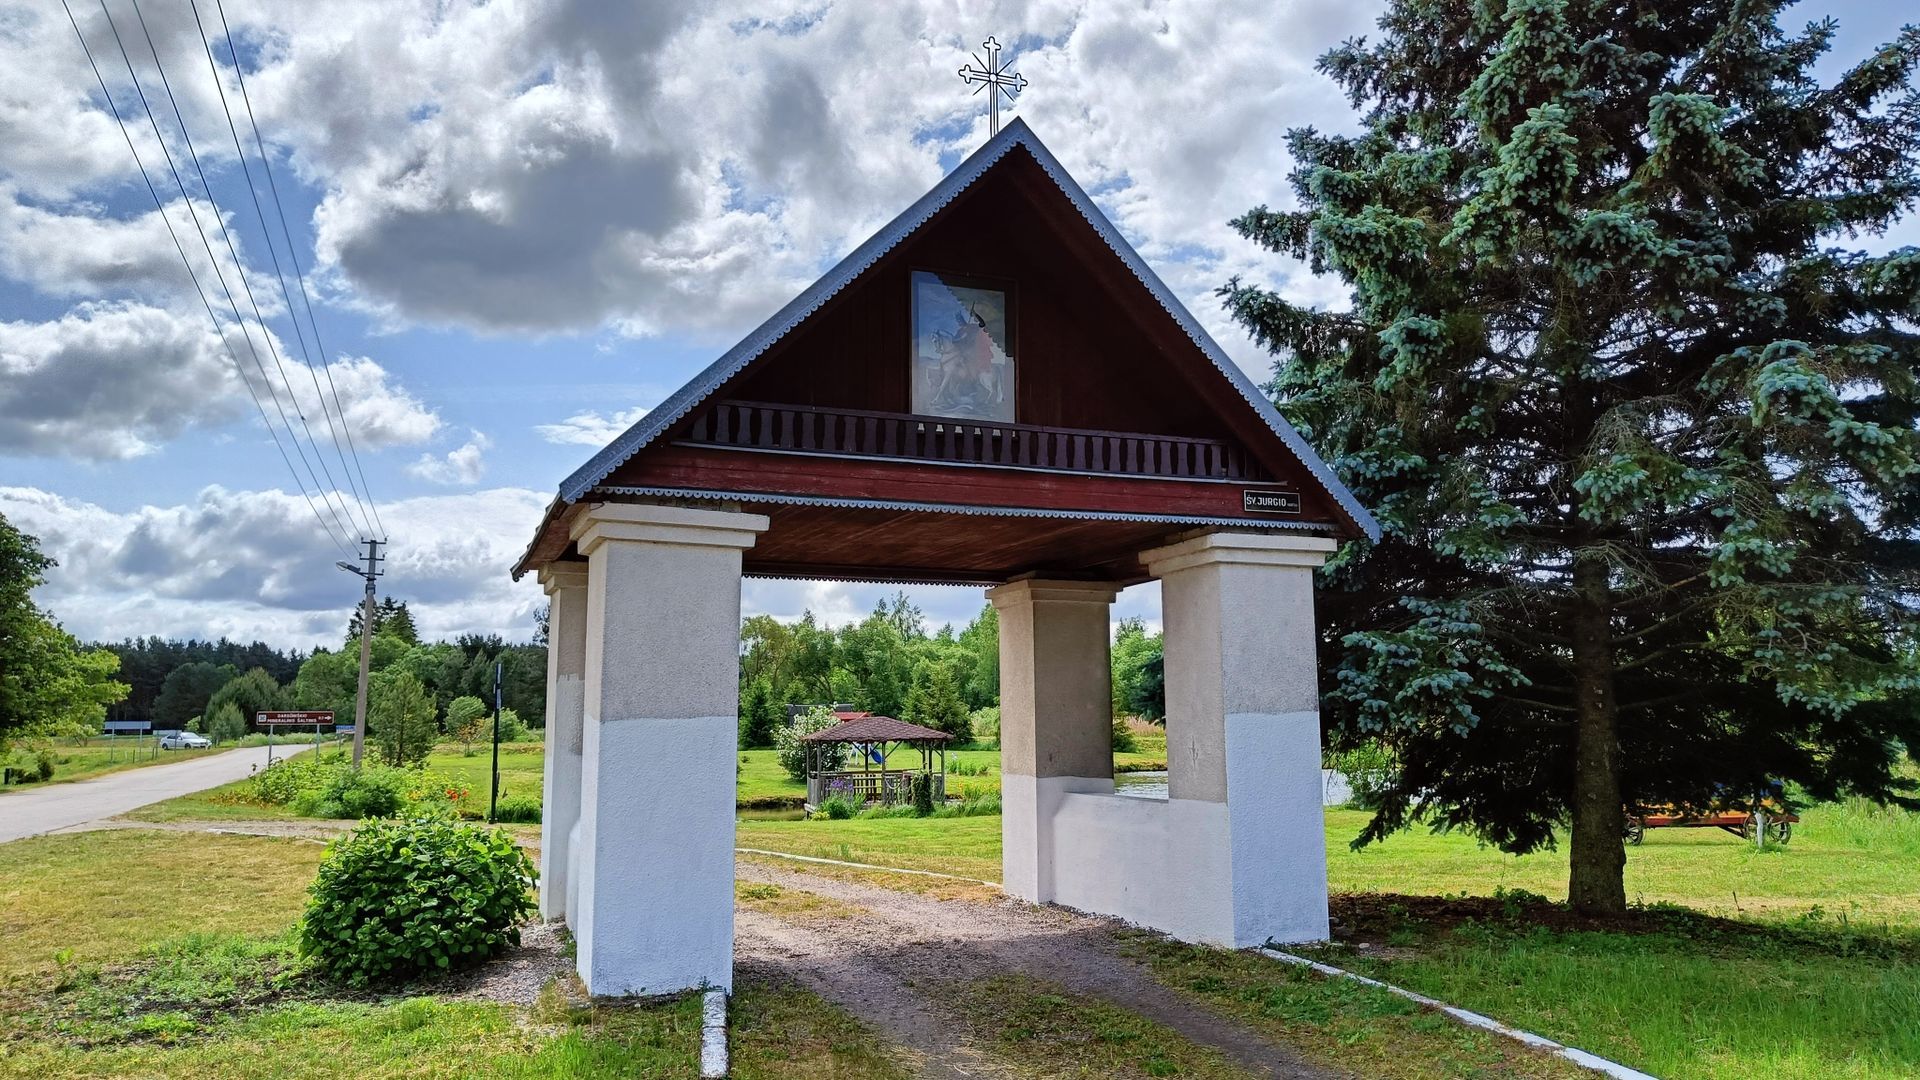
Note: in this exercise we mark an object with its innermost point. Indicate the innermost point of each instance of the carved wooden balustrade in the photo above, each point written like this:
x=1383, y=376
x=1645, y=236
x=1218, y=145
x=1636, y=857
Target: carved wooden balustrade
x=750, y=425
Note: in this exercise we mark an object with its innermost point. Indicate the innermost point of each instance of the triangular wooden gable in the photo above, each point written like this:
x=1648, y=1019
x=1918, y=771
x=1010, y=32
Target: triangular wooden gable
x=1112, y=372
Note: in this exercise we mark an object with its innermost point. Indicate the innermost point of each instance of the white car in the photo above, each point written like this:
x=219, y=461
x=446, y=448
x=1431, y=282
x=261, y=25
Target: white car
x=183, y=740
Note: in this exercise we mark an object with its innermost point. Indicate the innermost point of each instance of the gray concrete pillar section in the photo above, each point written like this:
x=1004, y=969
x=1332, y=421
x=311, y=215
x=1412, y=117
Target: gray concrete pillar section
x=1243, y=717
x=1056, y=716
x=566, y=587
x=654, y=848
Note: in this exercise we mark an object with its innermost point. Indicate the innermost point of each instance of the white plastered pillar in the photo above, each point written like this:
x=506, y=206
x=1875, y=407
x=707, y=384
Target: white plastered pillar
x=566, y=587
x=653, y=855
x=1243, y=722
x=1056, y=716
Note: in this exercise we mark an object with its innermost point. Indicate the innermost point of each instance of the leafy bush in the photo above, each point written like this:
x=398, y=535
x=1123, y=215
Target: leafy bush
x=512, y=728
x=372, y=791
x=329, y=787
x=922, y=794
x=793, y=753
x=432, y=794
x=283, y=781
x=398, y=898
x=1123, y=740
x=1371, y=772
x=986, y=724
x=522, y=809
x=838, y=807
x=466, y=719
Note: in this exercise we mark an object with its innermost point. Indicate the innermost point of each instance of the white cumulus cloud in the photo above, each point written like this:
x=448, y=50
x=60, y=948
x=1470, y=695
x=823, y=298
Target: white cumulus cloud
x=462, y=465
x=590, y=428
x=253, y=564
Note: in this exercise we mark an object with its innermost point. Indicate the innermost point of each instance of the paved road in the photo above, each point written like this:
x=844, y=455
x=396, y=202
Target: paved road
x=58, y=806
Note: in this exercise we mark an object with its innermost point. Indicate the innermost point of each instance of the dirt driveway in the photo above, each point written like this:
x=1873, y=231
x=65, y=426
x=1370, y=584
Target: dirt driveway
x=891, y=959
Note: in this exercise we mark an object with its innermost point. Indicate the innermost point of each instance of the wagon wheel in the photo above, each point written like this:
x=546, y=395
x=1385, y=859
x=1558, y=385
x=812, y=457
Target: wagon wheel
x=1636, y=830
x=1781, y=831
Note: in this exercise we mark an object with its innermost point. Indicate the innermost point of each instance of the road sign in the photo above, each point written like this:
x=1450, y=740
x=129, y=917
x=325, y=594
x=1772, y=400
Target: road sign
x=300, y=719
x=127, y=727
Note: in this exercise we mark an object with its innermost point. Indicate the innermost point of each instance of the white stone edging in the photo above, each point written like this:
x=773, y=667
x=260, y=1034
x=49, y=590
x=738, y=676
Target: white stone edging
x=713, y=1035
x=865, y=866
x=1612, y=1069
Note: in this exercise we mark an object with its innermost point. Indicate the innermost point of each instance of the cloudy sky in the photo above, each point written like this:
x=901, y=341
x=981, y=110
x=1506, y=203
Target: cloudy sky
x=522, y=225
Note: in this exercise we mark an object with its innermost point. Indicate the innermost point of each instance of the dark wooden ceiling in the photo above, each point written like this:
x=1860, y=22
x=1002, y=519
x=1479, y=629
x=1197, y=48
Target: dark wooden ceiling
x=922, y=546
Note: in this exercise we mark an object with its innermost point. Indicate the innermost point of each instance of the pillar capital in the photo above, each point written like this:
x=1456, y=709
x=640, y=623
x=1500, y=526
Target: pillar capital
x=564, y=574
x=647, y=522
x=1034, y=590
x=1305, y=550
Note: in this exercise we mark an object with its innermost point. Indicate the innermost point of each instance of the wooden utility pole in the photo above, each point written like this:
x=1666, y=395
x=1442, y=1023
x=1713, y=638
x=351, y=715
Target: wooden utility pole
x=370, y=574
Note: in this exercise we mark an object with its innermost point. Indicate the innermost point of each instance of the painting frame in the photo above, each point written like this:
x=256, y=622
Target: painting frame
x=962, y=346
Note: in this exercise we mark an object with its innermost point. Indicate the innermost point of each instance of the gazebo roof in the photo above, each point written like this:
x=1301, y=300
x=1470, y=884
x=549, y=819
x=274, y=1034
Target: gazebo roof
x=876, y=729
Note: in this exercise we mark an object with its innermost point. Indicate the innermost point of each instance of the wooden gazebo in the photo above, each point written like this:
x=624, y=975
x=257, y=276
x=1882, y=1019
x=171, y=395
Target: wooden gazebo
x=868, y=784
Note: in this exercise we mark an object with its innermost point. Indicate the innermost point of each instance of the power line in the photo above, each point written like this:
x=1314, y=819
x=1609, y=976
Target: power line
x=227, y=343
x=336, y=506
x=293, y=254
x=279, y=275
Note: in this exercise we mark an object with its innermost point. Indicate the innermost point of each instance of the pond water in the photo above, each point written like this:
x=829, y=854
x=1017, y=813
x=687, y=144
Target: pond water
x=1141, y=785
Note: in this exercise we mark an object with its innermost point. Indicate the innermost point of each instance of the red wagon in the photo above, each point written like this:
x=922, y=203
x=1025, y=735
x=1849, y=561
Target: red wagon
x=1777, y=822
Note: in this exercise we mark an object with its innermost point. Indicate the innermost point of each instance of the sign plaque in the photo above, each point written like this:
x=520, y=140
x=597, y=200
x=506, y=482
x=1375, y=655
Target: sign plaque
x=1255, y=501
x=296, y=719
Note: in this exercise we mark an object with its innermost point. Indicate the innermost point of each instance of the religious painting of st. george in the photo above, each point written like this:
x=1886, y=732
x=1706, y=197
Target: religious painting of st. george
x=963, y=364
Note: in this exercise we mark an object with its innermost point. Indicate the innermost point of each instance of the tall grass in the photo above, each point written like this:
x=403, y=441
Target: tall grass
x=1860, y=824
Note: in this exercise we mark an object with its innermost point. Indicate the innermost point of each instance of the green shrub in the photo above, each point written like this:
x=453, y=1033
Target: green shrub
x=282, y=782
x=512, y=728
x=432, y=794
x=793, y=752
x=985, y=723
x=1123, y=740
x=1371, y=772
x=922, y=794
x=521, y=809
x=372, y=791
x=398, y=898
x=838, y=808
x=983, y=805
x=43, y=764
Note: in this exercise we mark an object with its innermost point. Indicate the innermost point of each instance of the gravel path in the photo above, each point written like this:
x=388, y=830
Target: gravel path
x=518, y=977
x=920, y=943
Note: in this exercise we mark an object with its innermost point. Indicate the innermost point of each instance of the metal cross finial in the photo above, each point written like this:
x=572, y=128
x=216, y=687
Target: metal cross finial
x=993, y=74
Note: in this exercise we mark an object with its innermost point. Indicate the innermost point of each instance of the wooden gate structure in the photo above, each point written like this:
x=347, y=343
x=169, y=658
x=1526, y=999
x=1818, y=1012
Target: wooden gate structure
x=993, y=390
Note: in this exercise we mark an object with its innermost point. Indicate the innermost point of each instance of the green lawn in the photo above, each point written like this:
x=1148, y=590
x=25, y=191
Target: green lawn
x=83, y=759
x=1818, y=977
x=162, y=954
x=969, y=846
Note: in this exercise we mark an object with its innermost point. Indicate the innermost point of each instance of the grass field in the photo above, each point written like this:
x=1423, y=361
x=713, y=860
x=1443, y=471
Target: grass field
x=1818, y=977
x=160, y=954
x=763, y=784
x=85, y=759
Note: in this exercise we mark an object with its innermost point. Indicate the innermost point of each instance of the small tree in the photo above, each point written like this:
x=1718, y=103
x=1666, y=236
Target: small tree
x=466, y=720
x=400, y=716
x=793, y=752
x=226, y=723
x=936, y=703
x=759, y=716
